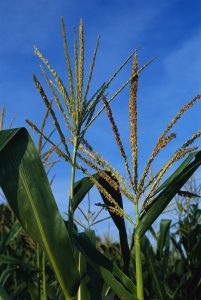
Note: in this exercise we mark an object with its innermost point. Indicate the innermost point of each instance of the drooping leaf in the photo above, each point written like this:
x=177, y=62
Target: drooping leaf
x=118, y=220
x=26, y=188
x=171, y=189
x=83, y=186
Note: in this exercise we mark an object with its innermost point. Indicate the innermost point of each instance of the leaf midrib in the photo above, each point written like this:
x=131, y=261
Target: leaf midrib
x=49, y=252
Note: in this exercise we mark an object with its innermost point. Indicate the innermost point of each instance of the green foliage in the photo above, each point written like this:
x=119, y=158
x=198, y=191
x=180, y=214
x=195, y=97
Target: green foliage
x=171, y=267
x=169, y=189
x=33, y=203
x=83, y=186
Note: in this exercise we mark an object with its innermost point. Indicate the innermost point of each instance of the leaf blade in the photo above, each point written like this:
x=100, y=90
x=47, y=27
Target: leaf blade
x=26, y=187
x=164, y=198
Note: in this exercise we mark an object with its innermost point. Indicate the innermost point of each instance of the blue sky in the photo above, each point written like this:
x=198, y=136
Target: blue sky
x=169, y=30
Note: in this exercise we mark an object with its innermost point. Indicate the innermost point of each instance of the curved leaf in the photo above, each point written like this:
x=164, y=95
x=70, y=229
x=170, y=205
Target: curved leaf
x=26, y=188
x=119, y=221
x=177, y=172
x=83, y=186
x=167, y=194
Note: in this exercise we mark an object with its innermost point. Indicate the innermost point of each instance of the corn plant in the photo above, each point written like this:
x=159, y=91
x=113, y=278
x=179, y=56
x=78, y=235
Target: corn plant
x=22, y=262
x=26, y=187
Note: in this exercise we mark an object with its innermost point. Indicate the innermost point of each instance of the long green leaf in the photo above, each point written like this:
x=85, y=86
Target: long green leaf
x=119, y=221
x=122, y=286
x=26, y=188
x=167, y=194
x=83, y=186
x=177, y=172
x=164, y=227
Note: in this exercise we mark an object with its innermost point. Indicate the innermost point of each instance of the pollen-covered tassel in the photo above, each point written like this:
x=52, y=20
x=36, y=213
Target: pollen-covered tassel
x=180, y=113
x=161, y=144
x=99, y=160
x=192, y=139
x=117, y=137
x=81, y=62
x=55, y=121
x=133, y=119
x=55, y=147
x=2, y=117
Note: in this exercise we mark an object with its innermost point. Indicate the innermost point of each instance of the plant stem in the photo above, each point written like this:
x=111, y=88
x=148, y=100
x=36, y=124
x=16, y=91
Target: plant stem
x=38, y=265
x=138, y=260
x=70, y=208
x=44, y=277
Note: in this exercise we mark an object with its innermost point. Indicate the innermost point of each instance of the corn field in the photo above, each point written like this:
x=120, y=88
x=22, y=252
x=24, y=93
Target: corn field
x=43, y=256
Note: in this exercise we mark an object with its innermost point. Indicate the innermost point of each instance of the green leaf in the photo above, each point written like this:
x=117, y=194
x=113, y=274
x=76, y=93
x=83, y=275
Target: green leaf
x=91, y=283
x=119, y=221
x=33, y=291
x=6, y=274
x=152, y=265
x=177, y=172
x=83, y=186
x=177, y=246
x=163, y=199
x=26, y=188
x=7, y=238
x=3, y=294
x=18, y=290
x=164, y=228
x=10, y=260
x=122, y=286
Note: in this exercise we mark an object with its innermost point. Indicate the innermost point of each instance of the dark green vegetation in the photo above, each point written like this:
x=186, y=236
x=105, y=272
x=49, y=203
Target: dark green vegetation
x=171, y=259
